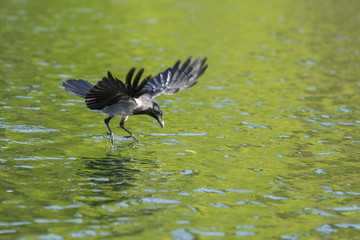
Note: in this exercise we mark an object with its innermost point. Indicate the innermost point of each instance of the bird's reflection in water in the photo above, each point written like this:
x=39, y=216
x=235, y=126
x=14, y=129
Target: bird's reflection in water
x=114, y=170
x=112, y=186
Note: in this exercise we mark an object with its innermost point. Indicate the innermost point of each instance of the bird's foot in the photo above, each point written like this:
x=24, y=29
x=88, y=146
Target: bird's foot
x=111, y=138
x=133, y=137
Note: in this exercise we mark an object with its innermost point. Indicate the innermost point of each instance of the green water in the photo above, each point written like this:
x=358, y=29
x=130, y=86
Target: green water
x=265, y=146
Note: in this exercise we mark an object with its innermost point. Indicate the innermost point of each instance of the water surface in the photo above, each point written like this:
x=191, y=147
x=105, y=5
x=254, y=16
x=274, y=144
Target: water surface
x=265, y=146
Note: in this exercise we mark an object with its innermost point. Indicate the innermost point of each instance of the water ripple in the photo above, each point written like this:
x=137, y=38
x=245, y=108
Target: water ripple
x=346, y=209
x=206, y=190
x=205, y=233
x=244, y=233
x=181, y=234
x=276, y=197
x=159, y=200
x=27, y=128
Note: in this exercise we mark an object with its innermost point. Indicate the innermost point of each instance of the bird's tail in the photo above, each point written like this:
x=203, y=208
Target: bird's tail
x=78, y=87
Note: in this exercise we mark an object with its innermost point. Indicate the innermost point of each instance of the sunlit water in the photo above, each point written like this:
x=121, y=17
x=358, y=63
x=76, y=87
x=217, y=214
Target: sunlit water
x=265, y=146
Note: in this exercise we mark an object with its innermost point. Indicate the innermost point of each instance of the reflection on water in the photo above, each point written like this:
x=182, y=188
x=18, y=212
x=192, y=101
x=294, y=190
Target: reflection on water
x=264, y=146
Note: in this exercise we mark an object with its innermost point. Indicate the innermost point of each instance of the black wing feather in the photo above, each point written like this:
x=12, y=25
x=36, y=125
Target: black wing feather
x=120, y=83
x=137, y=78
x=111, y=90
x=174, y=79
x=144, y=82
x=185, y=64
x=129, y=77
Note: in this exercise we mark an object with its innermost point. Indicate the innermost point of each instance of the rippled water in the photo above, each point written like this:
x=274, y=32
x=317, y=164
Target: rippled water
x=265, y=146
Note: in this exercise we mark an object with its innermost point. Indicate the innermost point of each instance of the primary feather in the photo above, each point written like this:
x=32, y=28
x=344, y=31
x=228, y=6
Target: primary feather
x=174, y=79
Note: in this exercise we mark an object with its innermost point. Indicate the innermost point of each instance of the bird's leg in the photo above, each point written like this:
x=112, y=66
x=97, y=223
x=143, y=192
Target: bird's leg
x=111, y=138
x=122, y=125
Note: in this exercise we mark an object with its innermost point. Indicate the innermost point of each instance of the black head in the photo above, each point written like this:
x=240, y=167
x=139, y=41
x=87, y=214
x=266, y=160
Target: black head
x=156, y=113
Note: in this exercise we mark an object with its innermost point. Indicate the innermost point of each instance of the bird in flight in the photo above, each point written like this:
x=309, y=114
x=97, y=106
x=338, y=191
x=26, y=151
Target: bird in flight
x=116, y=98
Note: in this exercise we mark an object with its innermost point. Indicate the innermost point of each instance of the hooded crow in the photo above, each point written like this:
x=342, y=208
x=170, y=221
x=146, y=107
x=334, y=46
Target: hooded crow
x=116, y=98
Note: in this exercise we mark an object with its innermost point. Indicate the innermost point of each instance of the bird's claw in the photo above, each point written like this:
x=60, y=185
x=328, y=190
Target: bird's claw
x=133, y=137
x=111, y=138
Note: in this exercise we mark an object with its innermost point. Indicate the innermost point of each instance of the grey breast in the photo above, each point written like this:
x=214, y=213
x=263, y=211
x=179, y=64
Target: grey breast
x=119, y=109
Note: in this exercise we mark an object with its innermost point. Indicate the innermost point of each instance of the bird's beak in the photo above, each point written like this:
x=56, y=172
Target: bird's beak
x=161, y=121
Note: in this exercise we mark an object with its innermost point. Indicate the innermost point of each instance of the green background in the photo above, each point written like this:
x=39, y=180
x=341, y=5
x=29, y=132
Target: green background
x=265, y=146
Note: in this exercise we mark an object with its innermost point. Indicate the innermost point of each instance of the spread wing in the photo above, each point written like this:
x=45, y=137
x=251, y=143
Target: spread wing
x=111, y=90
x=176, y=78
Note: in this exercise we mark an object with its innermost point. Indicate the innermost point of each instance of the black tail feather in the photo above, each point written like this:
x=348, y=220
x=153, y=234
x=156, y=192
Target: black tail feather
x=77, y=87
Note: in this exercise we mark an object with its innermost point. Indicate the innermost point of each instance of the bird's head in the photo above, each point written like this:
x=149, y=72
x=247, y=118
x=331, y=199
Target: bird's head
x=156, y=113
